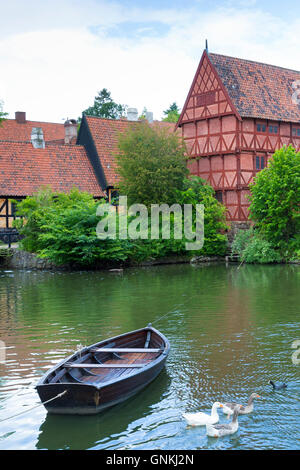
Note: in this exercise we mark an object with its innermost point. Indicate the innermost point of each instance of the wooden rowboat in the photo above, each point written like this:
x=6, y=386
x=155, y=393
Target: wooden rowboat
x=105, y=373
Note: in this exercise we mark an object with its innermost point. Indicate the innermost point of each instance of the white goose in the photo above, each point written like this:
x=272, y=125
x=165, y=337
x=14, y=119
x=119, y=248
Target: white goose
x=219, y=430
x=201, y=419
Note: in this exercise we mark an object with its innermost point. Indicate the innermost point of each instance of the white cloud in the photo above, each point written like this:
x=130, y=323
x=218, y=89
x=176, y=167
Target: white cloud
x=53, y=64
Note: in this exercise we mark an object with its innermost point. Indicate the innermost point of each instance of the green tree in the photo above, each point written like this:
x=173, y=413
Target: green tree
x=275, y=201
x=197, y=191
x=105, y=107
x=172, y=113
x=151, y=164
x=2, y=113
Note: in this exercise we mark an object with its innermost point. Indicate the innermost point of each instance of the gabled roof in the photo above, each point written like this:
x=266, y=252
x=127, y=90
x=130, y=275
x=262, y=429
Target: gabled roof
x=24, y=169
x=14, y=131
x=258, y=90
x=105, y=134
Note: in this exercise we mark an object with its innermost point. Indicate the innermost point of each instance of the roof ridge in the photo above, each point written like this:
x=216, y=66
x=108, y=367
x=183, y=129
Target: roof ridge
x=52, y=145
x=253, y=62
x=109, y=119
x=16, y=141
x=27, y=120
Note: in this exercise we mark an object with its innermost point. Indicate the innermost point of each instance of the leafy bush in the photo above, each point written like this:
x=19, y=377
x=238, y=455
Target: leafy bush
x=252, y=248
x=63, y=228
x=197, y=191
x=275, y=201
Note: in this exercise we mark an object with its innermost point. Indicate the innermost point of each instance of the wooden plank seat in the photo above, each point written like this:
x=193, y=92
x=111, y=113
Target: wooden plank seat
x=126, y=350
x=101, y=366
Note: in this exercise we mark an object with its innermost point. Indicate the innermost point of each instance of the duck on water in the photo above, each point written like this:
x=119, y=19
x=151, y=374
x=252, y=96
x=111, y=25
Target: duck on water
x=228, y=408
x=220, y=430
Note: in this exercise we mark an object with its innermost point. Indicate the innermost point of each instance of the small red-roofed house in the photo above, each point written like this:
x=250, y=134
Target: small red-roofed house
x=236, y=114
x=36, y=154
x=19, y=129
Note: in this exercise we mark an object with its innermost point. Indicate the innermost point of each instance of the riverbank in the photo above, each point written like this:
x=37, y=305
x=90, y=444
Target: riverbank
x=13, y=258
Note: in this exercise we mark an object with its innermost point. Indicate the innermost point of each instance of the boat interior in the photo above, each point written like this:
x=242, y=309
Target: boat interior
x=110, y=359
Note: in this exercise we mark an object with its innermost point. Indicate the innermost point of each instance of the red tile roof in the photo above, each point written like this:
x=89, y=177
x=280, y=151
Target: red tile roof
x=258, y=90
x=105, y=133
x=17, y=132
x=24, y=169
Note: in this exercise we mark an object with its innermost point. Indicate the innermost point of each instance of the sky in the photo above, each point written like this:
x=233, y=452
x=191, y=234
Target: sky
x=56, y=55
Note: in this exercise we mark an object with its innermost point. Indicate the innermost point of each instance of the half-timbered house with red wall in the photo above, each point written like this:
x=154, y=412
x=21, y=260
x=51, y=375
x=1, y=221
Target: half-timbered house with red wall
x=236, y=114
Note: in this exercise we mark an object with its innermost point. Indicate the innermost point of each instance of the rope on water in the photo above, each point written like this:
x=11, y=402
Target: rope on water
x=165, y=314
x=36, y=406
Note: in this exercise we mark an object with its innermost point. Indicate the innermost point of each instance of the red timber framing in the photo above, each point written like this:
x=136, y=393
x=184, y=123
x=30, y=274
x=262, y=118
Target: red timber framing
x=224, y=148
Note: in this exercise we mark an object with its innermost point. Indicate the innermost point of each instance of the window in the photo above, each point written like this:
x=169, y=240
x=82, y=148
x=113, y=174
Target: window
x=209, y=97
x=14, y=207
x=261, y=127
x=273, y=129
x=296, y=131
x=219, y=196
x=259, y=163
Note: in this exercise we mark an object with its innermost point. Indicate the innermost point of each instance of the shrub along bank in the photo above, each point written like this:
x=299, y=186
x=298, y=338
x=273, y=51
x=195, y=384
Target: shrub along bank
x=62, y=228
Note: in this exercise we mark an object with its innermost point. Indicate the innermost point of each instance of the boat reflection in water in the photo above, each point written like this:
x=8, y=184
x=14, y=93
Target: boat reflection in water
x=113, y=425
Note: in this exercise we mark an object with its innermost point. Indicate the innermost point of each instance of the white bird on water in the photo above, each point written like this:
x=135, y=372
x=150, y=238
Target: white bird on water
x=201, y=419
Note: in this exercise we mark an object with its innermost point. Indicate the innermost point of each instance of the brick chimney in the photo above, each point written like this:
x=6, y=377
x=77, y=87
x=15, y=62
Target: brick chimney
x=20, y=117
x=70, y=131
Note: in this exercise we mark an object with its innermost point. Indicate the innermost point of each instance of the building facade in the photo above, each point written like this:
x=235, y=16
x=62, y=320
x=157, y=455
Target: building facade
x=237, y=113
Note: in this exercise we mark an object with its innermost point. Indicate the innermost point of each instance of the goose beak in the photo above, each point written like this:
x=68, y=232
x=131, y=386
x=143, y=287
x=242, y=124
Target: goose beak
x=257, y=396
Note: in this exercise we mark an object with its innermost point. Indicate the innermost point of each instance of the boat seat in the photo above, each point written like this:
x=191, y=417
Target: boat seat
x=126, y=350
x=102, y=366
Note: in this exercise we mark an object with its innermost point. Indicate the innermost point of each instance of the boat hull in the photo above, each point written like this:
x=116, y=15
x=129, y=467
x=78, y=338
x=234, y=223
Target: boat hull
x=88, y=399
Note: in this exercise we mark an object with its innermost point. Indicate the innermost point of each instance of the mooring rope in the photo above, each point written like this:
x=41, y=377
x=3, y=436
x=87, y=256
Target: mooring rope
x=165, y=314
x=36, y=406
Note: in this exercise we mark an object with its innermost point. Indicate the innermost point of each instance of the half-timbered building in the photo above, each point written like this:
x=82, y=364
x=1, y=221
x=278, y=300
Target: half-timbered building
x=236, y=114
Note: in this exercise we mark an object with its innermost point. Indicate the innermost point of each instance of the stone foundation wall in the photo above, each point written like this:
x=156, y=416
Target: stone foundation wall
x=235, y=227
x=17, y=259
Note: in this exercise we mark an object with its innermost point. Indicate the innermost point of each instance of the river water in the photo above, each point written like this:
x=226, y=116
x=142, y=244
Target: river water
x=231, y=331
